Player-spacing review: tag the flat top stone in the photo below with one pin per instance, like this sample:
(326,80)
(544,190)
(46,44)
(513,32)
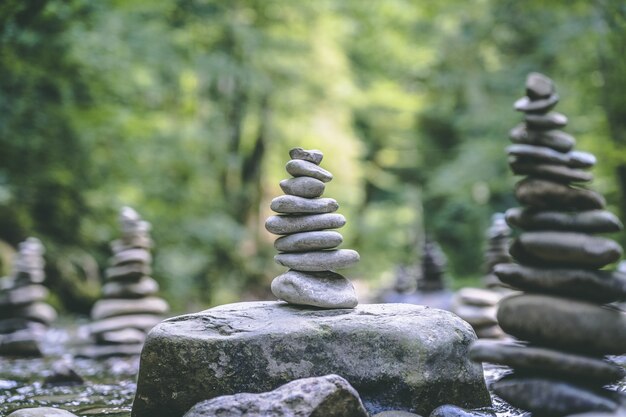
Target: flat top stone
(538,86)
(311,155)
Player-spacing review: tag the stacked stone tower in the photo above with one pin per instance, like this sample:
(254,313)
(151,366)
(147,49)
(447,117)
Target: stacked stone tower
(129,307)
(562,318)
(24,315)
(497,252)
(307,244)
(434,265)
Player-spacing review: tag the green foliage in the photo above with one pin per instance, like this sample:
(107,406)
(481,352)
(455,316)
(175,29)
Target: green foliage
(185,110)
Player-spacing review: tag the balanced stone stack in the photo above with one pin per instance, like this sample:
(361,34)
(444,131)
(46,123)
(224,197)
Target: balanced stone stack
(307,245)
(128,308)
(478,306)
(562,316)
(431,283)
(24,315)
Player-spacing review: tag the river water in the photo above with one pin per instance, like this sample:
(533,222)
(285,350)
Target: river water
(110,384)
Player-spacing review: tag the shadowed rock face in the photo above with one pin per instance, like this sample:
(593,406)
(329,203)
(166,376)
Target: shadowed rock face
(396,356)
(560,314)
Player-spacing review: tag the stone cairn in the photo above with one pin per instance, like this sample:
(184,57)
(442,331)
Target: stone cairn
(306,245)
(434,264)
(562,317)
(24,315)
(478,306)
(128,308)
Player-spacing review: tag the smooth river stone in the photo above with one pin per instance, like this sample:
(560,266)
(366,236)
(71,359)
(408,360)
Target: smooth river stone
(111,307)
(573,159)
(38,311)
(319,260)
(449,410)
(547,362)
(306,187)
(595,286)
(477,316)
(308,241)
(527,105)
(301,168)
(538,86)
(555,139)
(560,173)
(478,297)
(563,323)
(128,272)
(590,221)
(566,249)
(131,256)
(124,336)
(22,295)
(319,289)
(291,204)
(547,397)
(133,321)
(548,121)
(397,356)
(543,194)
(41,412)
(284,225)
(311,155)
(119,289)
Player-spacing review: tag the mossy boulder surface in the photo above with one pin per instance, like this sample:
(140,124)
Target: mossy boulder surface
(397,356)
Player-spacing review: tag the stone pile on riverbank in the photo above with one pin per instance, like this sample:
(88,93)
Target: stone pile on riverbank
(562,318)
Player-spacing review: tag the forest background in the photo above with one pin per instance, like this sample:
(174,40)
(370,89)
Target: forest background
(185,110)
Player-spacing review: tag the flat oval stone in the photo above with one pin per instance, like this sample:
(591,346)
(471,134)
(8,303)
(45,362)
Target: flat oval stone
(475,315)
(127,272)
(120,289)
(551,397)
(284,225)
(565,248)
(589,221)
(454,411)
(306,187)
(319,289)
(311,155)
(547,362)
(478,297)
(563,323)
(135,321)
(23,295)
(111,307)
(318,260)
(124,336)
(301,168)
(131,256)
(528,105)
(595,286)
(549,121)
(41,412)
(539,154)
(559,173)
(555,139)
(308,241)
(39,312)
(291,204)
(543,194)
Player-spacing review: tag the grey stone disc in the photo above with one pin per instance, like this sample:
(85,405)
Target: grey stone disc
(319,260)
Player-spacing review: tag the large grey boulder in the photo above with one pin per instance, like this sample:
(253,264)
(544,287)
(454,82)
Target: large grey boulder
(324,396)
(397,356)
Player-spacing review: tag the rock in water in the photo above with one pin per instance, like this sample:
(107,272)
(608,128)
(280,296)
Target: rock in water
(129,307)
(41,412)
(328,396)
(397,356)
(25,314)
(306,244)
(563,370)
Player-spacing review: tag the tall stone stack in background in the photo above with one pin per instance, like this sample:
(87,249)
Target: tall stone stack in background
(432,288)
(562,315)
(129,307)
(24,315)
(478,306)
(307,245)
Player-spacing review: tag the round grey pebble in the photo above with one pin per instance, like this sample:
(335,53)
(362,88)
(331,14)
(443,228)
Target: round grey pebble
(291,204)
(318,260)
(308,241)
(311,155)
(538,86)
(319,289)
(301,168)
(306,187)
(526,104)
(284,225)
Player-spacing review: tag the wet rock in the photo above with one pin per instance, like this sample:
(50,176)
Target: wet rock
(563,323)
(454,411)
(308,241)
(319,289)
(306,187)
(551,398)
(396,413)
(328,396)
(41,412)
(63,374)
(548,362)
(256,347)
(590,221)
